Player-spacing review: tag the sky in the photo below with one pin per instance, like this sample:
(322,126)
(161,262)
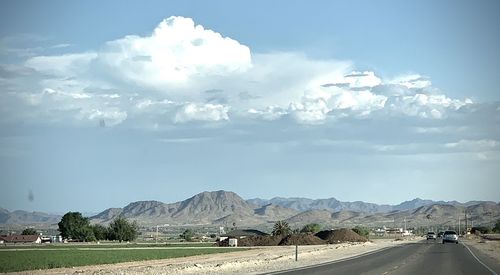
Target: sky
(103,103)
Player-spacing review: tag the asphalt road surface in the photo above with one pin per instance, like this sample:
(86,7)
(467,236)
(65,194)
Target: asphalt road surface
(426,258)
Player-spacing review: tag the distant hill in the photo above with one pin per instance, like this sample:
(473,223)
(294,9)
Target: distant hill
(20,217)
(227,209)
(331,204)
(334,205)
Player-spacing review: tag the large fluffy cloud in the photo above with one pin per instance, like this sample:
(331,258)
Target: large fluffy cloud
(183,72)
(177,52)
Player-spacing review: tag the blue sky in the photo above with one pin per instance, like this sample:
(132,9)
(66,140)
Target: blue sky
(105,103)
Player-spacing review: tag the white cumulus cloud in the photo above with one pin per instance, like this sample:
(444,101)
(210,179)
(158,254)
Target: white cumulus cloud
(202,112)
(184,72)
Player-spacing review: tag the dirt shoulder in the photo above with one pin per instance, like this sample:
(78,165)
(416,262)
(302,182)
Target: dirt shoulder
(253,261)
(489,247)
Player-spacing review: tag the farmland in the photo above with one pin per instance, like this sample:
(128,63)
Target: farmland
(40,257)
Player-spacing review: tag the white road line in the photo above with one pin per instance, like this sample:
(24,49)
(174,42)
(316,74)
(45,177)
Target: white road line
(487,267)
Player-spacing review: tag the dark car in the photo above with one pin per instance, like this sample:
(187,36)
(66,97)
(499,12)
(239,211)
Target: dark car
(440,234)
(450,236)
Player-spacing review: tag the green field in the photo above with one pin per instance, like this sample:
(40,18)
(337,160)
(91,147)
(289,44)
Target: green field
(106,245)
(29,259)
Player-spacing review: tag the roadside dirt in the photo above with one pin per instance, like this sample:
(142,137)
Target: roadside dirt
(490,247)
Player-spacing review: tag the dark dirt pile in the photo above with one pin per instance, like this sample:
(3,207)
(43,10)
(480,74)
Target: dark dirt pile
(340,236)
(301,239)
(322,237)
(260,241)
(294,239)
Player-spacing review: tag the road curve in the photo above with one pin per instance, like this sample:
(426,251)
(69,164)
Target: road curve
(419,258)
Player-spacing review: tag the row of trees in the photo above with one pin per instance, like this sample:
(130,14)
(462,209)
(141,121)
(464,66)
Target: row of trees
(78,228)
(29,231)
(486,229)
(282,228)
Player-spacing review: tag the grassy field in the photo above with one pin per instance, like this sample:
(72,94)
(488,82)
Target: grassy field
(105,245)
(29,259)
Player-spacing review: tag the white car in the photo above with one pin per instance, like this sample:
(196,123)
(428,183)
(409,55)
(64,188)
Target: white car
(450,236)
(431,235)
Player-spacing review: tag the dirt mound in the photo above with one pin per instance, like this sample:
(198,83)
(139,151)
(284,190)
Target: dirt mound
(301,239)
(260,241)
(294,239)
(340,236)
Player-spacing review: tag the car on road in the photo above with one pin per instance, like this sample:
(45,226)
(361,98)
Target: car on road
(450,236)
(431,235)
(440,234)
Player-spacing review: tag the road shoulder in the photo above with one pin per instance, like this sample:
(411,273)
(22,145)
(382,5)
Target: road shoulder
(487,251)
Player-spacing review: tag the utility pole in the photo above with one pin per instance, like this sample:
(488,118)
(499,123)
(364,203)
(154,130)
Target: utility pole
(156,240)
(459,225)
(466,224)
(296,252)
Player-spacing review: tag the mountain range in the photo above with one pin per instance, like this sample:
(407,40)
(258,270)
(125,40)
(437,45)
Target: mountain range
(227,208)
(25,217)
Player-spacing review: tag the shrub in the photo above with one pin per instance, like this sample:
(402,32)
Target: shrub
(480,230)
(187,235)
(311,228)
(362,231)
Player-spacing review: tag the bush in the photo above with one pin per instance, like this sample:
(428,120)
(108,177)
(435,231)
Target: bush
(496,229)
(362,231)
(311,228)
(123,230)
(480,230)
(187,235)
(29,231)
(100,232)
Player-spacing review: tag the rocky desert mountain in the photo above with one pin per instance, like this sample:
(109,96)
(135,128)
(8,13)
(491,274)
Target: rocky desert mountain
(220,207)
(228,208)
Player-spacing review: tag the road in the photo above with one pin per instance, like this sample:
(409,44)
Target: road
(420,258)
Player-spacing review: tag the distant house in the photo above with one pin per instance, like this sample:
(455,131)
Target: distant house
(21,239)
(231,238)
(242,233)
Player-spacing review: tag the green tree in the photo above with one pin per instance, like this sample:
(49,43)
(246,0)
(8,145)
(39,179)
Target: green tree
(496,229)
(281,228)
(29,231)
(480,230)
(187,235)
(311,228)
(362,231)
(100,232)
(123,230)
(74,226)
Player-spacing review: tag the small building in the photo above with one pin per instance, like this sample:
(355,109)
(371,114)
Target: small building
(242,233)
(232,237)
(21,239)
(56,239)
